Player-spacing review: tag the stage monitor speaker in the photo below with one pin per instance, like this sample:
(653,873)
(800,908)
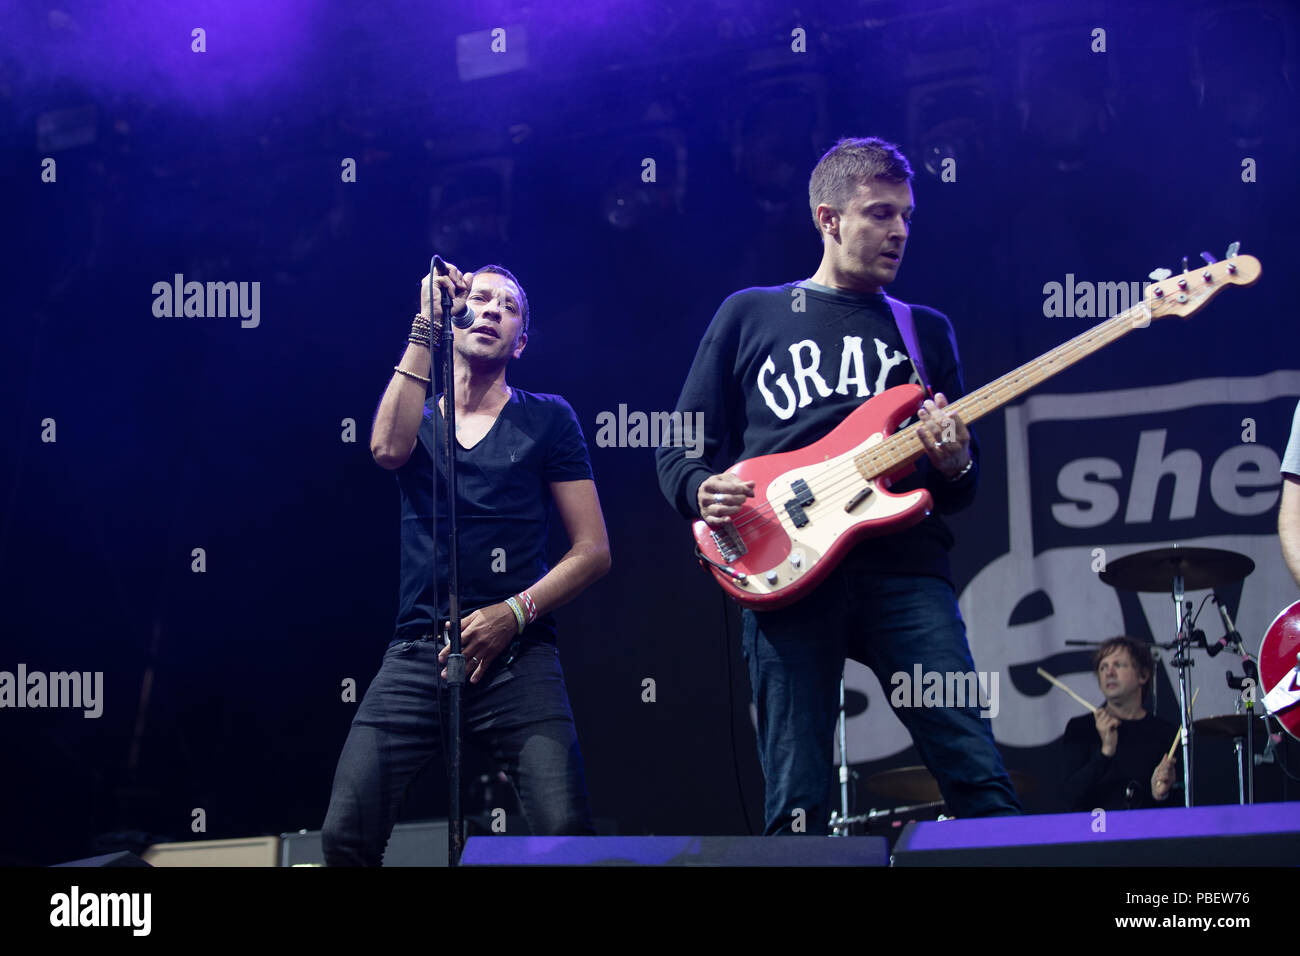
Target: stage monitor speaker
(121,858)
(674,851)
(1263,834)
(245,851)
(421,843)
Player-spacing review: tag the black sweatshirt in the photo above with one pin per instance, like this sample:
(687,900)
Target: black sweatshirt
(770,377)
(1092,780)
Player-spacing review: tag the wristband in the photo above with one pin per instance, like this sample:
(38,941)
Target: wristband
(970,463)
(518,612)
(529,608)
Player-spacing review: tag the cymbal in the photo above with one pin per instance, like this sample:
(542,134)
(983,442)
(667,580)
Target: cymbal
(1201,568)
(917,784)
(1229,725)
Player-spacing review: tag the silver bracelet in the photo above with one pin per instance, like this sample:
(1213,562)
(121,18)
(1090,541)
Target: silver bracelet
(970,463)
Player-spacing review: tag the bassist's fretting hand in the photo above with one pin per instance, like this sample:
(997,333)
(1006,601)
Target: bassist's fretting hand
(946,440)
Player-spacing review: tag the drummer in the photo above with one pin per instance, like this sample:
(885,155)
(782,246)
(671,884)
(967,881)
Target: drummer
(1117,758)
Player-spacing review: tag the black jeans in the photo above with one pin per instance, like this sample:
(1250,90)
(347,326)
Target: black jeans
(519,712)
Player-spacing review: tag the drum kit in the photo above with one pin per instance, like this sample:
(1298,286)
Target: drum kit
(1175,571)
(1269,683)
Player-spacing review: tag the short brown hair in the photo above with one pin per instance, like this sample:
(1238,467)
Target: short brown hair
(850,163)
(1139,651)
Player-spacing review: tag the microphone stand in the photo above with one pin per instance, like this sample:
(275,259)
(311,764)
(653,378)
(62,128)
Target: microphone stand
(455,660)
(1183,661)
(840,823)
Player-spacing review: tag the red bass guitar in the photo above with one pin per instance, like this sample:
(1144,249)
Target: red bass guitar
(812,505)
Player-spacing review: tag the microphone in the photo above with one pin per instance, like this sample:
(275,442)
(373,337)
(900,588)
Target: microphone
(466,318)
(1231,637)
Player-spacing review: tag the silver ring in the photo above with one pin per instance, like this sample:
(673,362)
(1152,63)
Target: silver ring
(717,497)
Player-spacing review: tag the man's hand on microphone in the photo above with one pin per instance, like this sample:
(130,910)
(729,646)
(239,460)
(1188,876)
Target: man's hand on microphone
(455,282)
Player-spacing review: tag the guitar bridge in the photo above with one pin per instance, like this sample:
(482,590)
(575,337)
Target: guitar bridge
(728,542)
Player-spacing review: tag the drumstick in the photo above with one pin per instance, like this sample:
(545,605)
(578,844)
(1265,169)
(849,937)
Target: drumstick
(1042,673)
(1179,736)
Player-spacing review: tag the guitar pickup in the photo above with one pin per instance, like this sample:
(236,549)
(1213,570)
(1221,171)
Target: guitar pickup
(728,542)
(803,497)
(802,493)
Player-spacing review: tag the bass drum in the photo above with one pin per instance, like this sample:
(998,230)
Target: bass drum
(1278,661)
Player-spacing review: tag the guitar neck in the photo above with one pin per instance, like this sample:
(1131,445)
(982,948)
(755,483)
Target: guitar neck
(905,447)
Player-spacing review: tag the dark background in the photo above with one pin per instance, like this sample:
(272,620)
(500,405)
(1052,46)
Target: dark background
(178,433)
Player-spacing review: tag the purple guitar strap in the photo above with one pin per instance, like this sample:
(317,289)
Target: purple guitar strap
(907,329)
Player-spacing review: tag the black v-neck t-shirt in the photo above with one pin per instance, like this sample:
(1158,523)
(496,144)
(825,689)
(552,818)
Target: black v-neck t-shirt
(504,509)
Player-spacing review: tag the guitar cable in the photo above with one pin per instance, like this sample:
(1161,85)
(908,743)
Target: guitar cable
(705,559)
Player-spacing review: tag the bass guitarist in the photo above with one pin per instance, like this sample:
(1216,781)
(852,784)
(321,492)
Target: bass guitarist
(1288,516)
(778,369)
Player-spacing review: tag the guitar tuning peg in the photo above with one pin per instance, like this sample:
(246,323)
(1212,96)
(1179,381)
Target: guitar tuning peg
(1159,275)
(1209,259)
(1232,250)
(1184,263)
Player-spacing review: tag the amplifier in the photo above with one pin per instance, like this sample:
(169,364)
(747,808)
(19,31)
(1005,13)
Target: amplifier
(246,851)
(421,843)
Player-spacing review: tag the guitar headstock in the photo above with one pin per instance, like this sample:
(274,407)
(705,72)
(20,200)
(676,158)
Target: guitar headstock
(1190,291)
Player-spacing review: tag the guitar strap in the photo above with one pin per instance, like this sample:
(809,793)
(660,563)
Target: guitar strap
(907,329)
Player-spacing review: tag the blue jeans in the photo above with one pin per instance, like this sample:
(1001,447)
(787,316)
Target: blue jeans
(889,623)
(519,712)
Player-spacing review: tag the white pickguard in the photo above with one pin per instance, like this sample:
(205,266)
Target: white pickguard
(833,483)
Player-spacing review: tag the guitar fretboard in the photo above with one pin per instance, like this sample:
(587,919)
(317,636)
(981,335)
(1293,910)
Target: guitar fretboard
(905,447)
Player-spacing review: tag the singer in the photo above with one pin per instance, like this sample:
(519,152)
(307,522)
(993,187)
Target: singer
(523,456)
(1118,759)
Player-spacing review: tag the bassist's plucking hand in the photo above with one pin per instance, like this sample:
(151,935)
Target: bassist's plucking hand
(721,496)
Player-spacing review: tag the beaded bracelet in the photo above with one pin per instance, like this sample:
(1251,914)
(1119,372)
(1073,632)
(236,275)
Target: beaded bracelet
(411,375)
(424,333)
